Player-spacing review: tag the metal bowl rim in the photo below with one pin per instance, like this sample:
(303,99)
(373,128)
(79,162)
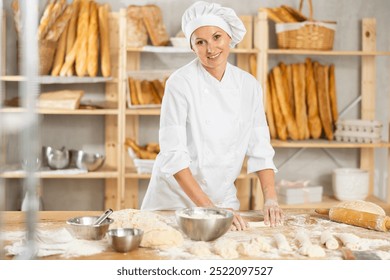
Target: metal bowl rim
(72,222)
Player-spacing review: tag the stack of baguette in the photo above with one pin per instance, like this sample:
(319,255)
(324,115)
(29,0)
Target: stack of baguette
(284,14)
(145,92)
(301,101)
(145,22)
(72,38)
(149,151)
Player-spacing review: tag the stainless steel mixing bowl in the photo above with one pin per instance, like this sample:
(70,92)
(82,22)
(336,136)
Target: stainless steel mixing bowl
(204,224)
(86,161)
(124,239)
(84,228)
(57,159)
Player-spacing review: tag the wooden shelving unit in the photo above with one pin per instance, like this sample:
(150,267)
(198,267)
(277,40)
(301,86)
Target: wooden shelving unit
(368,55)
(113,112)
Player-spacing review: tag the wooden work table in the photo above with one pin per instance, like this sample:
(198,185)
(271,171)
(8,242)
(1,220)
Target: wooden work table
(296,219)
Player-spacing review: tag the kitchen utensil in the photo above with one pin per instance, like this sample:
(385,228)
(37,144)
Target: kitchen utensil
(124,239)
(350,183)
(358,255)
(83,227)
(58,159)
(357,218)
(205,224)
(104,216)
(86,161)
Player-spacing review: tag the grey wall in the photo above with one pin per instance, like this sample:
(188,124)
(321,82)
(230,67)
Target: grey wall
(311,164)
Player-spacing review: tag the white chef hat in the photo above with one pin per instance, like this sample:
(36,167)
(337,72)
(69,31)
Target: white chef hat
(202,13)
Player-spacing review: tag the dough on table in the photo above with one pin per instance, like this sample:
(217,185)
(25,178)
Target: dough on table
(282,243)
(350,240)
(307,248)
(328,240)
(157,233)
(200,249)
(226,248)
(254,247)
(361,205)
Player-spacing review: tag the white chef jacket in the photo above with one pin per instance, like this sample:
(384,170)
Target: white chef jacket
(208,126)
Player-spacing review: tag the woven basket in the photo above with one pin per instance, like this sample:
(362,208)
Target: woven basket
(306,35)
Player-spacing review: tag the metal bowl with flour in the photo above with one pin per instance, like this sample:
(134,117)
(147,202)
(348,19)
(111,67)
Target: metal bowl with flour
(204,224)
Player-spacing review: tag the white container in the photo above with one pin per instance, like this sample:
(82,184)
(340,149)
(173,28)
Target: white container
(300,195)
(144,166)
(350,184)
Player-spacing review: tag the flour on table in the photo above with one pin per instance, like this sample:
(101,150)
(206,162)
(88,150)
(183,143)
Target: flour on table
(257,224)
(226,248)
(361,205)
(157,233)
(254,247)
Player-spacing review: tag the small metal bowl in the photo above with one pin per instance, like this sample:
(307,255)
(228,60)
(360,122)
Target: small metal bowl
(124,239)
(204,224)
(86,161)
(84,228)
(57,159)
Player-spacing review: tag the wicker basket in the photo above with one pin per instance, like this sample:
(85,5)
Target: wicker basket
(306,35)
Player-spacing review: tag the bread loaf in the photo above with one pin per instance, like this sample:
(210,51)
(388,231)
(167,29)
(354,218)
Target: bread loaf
(332,94)
(137,36)
(147,96)
(46,56)
(53,10)
(323,100)
(154,23)
(284,14)
(300,100)
(16,16)
(280,123)
(272,15)
(159,88)
(55,31)
(253,64)
(93,41)
(60,54)
(133,92)
(314,122)
(71,37)
(284,104)
(70,59)
(82,37)
(268,110)
(105,60)
(288,75)
(297,15)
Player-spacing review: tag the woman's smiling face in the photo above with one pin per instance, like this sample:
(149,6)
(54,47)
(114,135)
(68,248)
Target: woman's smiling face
(212,46)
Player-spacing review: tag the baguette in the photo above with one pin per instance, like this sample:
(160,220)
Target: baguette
(44,22)
(60,54)
(332,94)
(154,23)
(133,92)
(70,59)
(284,15)
(300,100)
(272,15)
(71,38)
(323,101)
(137,36)
(253,64)
(53,12)
(289,77)
(59,25)
(156,97)
(314,122)
(159,88)
(283,103)
(268,110)
(147,93)
(138,91)
(93,41)
(105,59)
(297,15)
(16,16)
(82,36)
(280,123)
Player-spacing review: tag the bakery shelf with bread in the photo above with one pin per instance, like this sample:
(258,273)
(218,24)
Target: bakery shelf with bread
(290,124)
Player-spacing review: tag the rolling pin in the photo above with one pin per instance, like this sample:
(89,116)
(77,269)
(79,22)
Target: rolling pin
(357,218)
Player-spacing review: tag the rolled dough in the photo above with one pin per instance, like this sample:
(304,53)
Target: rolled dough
(226,248)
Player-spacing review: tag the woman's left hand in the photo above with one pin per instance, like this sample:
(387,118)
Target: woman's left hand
(238,223)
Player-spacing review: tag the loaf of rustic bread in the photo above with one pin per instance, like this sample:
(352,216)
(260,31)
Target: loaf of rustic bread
(137,36)
(154,23)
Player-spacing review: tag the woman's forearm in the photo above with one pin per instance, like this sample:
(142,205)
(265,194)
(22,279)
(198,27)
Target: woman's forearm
(192,189)
(267,181)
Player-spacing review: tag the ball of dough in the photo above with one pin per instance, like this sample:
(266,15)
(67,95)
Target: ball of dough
(200,249)
(226,248)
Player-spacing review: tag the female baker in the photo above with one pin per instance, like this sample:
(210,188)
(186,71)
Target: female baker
(212,115)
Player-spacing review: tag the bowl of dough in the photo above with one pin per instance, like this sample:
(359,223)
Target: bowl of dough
(84,227)
(204,224)
(124,239)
